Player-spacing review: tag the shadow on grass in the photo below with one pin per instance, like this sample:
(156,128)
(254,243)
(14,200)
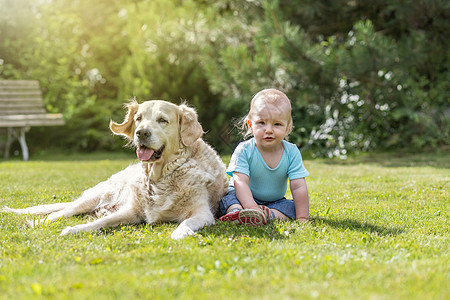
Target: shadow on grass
(355,225)
(277,230)
(224,229)
(219,230)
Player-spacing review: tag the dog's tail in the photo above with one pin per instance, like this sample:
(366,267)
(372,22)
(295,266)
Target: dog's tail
(37,210)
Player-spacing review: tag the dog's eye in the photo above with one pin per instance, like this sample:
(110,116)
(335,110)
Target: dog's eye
(162,121)
(139,118)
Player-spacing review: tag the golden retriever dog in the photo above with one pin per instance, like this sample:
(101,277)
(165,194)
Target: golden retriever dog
(180,178)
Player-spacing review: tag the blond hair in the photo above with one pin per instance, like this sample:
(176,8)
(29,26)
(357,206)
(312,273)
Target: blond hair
(271,96)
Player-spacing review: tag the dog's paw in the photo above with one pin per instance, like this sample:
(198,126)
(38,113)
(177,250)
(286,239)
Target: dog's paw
(33,223)
(37,223)
(182,232)
(69,230)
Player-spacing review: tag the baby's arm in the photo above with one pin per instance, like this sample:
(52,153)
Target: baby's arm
(243,192)
(301,198)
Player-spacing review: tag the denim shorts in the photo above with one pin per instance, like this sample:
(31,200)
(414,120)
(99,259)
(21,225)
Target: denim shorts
(283,205)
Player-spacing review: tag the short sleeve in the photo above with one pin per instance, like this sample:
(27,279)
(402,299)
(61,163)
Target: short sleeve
(240,160)
(296,168)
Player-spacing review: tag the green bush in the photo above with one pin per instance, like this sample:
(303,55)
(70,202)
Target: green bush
(378,80)
(361,75)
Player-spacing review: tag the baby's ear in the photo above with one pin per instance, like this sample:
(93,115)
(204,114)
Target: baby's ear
(249,124)
(190,128)
(126,128)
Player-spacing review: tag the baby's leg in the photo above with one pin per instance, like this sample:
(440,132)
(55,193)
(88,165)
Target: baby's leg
(234,207)
(279,215)
(283,209)
(229,203)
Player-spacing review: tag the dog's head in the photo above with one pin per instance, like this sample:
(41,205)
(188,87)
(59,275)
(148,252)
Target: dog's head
(158,128)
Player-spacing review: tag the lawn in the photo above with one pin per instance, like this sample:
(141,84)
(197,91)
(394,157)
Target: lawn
(379,230)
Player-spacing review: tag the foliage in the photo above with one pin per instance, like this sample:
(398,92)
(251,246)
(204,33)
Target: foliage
(165,46)
(56,53)
(380,230)
(361,75)
(90,58)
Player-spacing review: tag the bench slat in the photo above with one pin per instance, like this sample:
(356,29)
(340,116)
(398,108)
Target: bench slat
(19,84)
(21,107)
(36,100)
(29,103)
(31,120)
(18,94)
(23,111)
(14,103)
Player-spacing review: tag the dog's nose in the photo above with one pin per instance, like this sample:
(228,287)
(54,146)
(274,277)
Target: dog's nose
(143,133)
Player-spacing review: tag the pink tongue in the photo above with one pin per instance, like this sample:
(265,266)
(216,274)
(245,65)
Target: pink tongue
(144,153)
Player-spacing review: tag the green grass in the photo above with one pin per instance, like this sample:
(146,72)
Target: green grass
(380,230)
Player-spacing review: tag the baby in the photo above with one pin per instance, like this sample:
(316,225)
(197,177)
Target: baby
(261,166)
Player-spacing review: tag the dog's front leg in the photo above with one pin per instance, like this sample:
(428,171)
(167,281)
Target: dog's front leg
(125,215)
(201,218)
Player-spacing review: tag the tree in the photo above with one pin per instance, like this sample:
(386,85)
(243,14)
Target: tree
(361,75)
(379,80)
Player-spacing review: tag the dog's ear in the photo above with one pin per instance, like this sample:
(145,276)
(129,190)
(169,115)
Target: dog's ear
(190,128)
(126,128)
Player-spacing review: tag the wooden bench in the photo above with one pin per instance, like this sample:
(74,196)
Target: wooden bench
(21,107)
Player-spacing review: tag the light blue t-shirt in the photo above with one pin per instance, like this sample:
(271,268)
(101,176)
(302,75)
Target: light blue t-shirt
(267,184)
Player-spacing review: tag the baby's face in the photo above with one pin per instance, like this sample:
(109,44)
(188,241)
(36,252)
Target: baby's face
(269,124)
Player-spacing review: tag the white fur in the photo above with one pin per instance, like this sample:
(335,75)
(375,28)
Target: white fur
(184,185)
